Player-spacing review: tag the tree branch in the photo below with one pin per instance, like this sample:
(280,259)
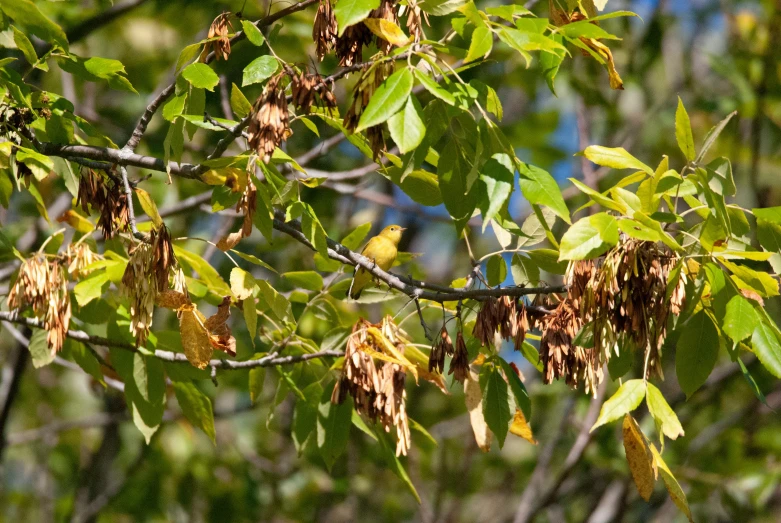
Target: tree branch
(409,286)
(175,357)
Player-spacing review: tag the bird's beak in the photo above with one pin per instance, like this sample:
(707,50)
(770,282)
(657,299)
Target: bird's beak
(402,229)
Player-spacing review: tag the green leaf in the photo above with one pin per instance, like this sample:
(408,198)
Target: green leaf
(683,131)
(254,260)
(250,313)
(626,399)
(40,353)
(239,103)
(25,46)
(26,14)
(148,378)
(90,288)
(540,188)
(242,283)
(174,107)
(496,406)
(309,280)
(481,44)
(496,178)
(740,319)
(548,260)
(441,7)
(259,70)
(452,174)
(84,358)
(760,281)
(434,88)
(696,352)
(252,33)
(387,100)
(406,127)
(350,12)
(496,270)
(257,377)
(672,485)
(333,427)
(662,412)
(201,75)
(589,237)
(394,463)
(752,383)
(534,230)
(354,240)
(524,271)
(767,348)
(615,157)
(771,214)
(196,406)
(278,304)
(518,389)
(714,133)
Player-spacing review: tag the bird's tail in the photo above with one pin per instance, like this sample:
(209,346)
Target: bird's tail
(361,278)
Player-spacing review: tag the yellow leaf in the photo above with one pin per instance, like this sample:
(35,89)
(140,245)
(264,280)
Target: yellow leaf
(474,404)
(242,283)
(675,490)
(195,337)
(232,177)
(77,221)
(639,457)
(382,341)
(149,206)
(520,428)
(387,30)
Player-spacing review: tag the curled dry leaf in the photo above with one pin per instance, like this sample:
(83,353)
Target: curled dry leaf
(172,299)
(473,397)
(222,43)
(245,205)
(639,458)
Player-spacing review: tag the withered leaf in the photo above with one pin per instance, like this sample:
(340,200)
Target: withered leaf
(230,241)
(171,299)
(474,404)
(195,337)
(639,457)
(220,335)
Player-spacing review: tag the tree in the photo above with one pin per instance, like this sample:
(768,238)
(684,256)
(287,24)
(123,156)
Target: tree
(173,310)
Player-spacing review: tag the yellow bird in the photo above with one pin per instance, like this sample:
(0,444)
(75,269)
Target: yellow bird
(382,250)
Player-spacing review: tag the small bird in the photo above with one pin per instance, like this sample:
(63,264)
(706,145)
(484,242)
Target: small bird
(382,250)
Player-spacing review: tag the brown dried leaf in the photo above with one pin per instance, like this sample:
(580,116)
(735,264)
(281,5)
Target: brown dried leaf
(171,299)
(219,333)
(752,295)
(639,457)
(673,487)
(521,428)
(195,337)
(474,404)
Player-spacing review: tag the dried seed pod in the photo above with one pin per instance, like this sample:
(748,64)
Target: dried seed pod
(105,197)
(222,45)
(325,29)
(443,346)
(349,46)
(78,258)
(414,22)
(459,365)
(269,120)
(306,88)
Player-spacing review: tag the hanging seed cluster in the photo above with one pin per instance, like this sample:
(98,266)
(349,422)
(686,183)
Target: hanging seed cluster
(103,195)
(42,285)
(308,88)
(78,258)
(147,274)
(621,302)
(629,298)
(269,124)
(325,29)
(376,385)
(371,78)
(414,21)
(501,318)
